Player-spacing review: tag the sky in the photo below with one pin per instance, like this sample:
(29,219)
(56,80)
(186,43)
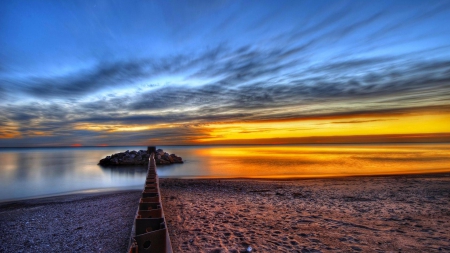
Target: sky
(94,73)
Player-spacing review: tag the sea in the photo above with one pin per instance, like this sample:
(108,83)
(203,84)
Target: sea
(38,172)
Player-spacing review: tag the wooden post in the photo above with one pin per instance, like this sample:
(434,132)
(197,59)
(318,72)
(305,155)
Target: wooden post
(149,233)
(151,149)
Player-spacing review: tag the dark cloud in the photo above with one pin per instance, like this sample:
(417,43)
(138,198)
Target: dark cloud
(2,93)
(267,94)
(359,121)
(217,102)
(267,75)
(106,75)
(354,64)
(62,134)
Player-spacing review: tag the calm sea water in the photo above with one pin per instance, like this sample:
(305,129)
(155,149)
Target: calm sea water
(33,172)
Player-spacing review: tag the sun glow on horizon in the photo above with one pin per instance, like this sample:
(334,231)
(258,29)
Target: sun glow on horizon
(404,128)
(437,123)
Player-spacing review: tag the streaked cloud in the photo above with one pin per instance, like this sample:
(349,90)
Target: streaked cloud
(340,62)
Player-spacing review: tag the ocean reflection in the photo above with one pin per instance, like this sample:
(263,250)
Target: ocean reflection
(124,171)
(43,171)
(311,161)
(46,171)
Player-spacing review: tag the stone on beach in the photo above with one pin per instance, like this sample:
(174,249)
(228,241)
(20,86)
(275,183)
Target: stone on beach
(139,157)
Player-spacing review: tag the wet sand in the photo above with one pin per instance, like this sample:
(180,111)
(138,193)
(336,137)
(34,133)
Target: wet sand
(355,214)
(98,222)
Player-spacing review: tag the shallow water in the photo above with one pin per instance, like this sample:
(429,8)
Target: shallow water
(32,172)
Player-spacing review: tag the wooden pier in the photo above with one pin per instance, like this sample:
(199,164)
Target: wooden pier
(149,233)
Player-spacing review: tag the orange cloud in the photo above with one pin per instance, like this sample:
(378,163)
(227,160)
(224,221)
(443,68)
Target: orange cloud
(348,139)
(364,114)
(253,131)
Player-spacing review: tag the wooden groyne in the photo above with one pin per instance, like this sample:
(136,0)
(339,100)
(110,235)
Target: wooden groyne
(149,232)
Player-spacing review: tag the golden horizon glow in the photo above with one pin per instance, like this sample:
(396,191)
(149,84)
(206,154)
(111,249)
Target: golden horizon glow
(433,123)
(405,127)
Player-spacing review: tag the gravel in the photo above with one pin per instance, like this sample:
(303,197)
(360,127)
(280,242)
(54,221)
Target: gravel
(99,222)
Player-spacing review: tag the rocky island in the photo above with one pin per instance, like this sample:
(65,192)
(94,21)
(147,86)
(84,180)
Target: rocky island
(139,157)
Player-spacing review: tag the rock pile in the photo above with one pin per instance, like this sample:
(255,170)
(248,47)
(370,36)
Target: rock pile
(162,157)
(139,157)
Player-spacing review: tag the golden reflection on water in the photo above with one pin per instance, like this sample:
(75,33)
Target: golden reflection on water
(324,161)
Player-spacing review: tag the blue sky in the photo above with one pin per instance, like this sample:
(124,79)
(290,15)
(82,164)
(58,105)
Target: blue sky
(67,65)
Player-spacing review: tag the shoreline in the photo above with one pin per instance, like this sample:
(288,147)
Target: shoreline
(99,191)
(70,194)
(445,173)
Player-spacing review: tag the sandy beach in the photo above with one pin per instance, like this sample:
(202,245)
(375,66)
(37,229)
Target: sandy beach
(97,222)
(355,214)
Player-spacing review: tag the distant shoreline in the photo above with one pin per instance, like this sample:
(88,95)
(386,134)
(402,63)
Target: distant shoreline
(241,144)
